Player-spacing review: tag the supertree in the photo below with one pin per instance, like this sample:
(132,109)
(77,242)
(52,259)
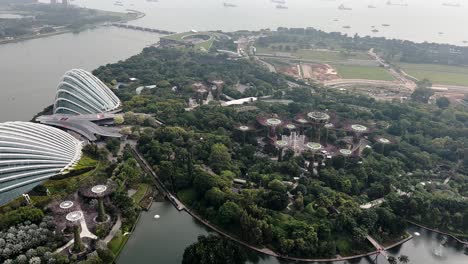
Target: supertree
(345,153)
(73,219)
(63,207)
(290,126)
(281,145)
(200,92)
(313,148)
(219,88)
(99,192)
(384,141)
(243,129)
(328,127)
(318,119)
(358,130)
(302,122)
(272,123)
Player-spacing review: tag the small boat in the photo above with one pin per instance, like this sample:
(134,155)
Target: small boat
(278,2)
(343,7)
(371,6)
(465,41)
(118,3)
(281,7)
(157,216)
(385,25)
(375,30)
(441,33)
(335,20)
(417,234)
(229,5)
(152,1)
(451,4)
(396,4)
(347,27)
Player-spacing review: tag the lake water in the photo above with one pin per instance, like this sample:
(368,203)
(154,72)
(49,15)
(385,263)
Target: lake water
(164,240)
(30,71)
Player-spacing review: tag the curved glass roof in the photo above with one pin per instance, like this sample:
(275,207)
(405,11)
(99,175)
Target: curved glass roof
(31,152)
(80,92)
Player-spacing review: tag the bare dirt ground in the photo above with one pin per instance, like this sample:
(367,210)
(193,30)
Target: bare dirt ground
(319,72)
(291,71)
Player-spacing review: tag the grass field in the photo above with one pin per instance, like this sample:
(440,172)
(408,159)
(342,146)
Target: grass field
(117,243)
(363,72)
(204,45)
(140,193)
(441,74)
(318,55)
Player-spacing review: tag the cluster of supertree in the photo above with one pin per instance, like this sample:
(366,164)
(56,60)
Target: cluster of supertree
(68,210)
(317,143)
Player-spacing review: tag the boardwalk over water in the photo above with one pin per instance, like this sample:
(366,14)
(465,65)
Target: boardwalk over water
(155,30)
(380,249)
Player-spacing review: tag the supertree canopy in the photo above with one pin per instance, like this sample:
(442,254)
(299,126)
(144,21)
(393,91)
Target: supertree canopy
(318,117)
(272,123)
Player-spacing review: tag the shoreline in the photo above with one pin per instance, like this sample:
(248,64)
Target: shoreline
(138,15)
(439,232)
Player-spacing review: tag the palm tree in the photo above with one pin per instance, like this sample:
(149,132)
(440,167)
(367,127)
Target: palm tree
(403,259)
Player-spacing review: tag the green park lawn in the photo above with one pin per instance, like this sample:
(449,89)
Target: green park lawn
(440,74)
(117,243)
(140,193)
(363,72)
(318,55)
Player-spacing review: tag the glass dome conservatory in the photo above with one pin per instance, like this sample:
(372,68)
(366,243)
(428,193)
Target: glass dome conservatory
(80,92)
(31,152)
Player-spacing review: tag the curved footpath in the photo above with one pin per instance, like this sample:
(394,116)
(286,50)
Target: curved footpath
(181,207)
(439,232)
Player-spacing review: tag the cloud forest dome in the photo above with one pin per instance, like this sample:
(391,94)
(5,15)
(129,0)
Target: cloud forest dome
(31,152)
(80,92)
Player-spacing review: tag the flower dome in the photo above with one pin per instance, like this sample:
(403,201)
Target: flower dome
(31,152)
(80,92)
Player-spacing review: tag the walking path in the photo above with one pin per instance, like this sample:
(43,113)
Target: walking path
(439,232)
(84,233)
(114,230)
(377,246)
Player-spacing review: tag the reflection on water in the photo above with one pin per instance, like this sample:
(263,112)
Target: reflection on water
(164,241)
(430,247)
